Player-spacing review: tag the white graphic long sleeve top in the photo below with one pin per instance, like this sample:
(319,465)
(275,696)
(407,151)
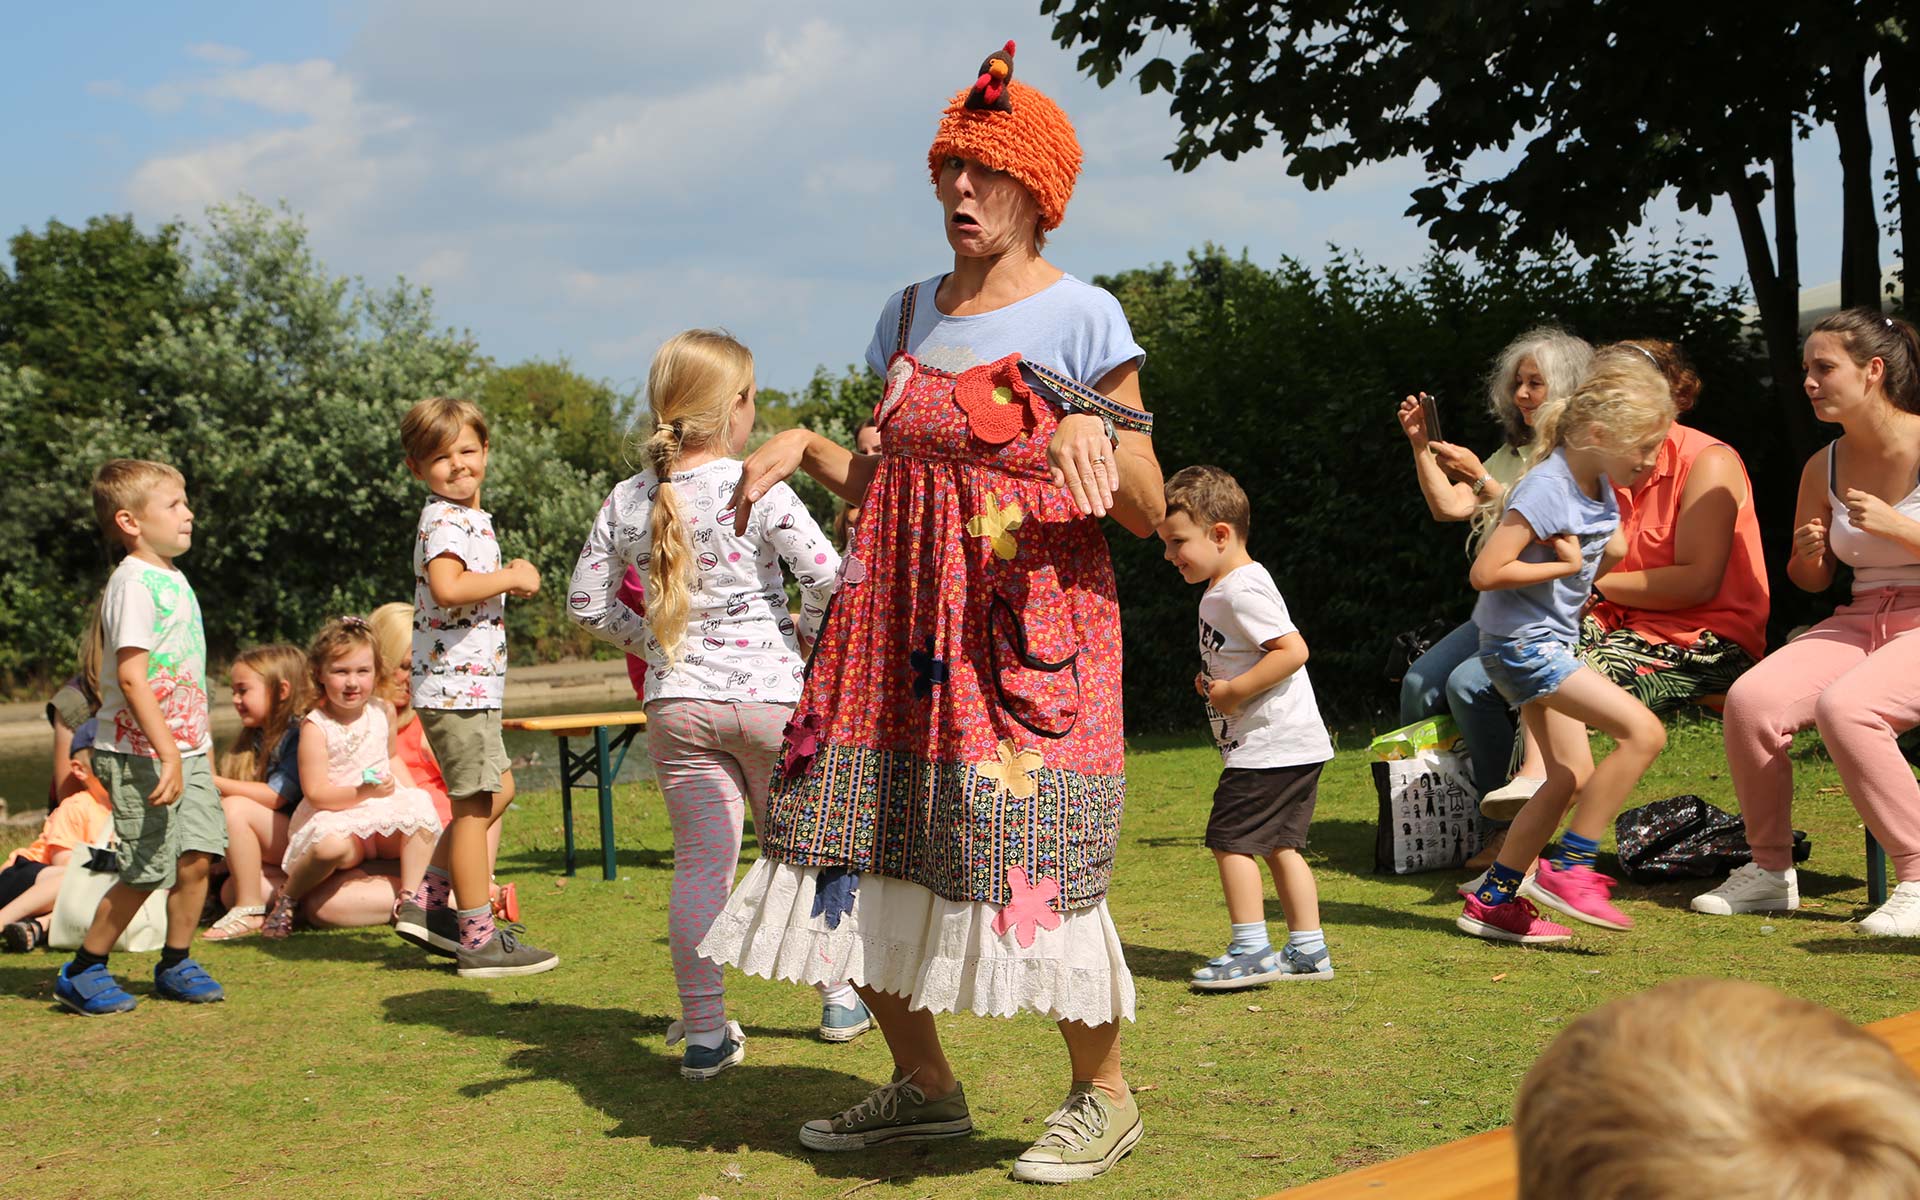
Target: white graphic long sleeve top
(741,642)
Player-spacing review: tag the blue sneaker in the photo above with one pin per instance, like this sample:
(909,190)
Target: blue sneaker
(839,1024)
(1297,965)
(187,981)
(704,1062)
(92,993)
(1231,972)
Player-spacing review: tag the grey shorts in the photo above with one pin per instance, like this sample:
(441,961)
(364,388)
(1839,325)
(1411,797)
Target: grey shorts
(1257,810)
(467,743)
(149,839)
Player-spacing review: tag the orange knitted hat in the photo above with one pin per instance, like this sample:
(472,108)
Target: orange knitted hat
(1014,128)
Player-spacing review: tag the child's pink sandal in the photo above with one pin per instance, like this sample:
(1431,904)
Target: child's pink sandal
(238,922)
(279,922)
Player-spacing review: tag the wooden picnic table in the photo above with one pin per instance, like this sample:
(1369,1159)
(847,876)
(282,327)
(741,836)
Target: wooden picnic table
(602,763)
(1482,1167)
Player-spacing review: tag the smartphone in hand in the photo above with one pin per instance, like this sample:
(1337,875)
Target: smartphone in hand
(1430,418)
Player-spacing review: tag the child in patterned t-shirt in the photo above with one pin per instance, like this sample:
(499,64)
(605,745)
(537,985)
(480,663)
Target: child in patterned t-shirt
(459,684)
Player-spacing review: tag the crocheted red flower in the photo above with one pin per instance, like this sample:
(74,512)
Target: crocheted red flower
(802,742)
(998,403)
(1030,908)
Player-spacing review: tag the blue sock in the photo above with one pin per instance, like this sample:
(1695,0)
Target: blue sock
(1249,936)
(1307,941)
(1502,885)
(1576,851)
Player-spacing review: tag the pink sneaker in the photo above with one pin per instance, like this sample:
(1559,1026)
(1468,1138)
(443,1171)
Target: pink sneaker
(1580,892)
(1515,921)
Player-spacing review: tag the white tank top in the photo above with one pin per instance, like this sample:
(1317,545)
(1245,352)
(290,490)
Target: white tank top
(1876,561)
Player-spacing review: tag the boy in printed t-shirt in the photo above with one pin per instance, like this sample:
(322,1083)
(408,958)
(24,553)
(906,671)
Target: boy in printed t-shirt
(1261,711)
(459,683)
(151,745)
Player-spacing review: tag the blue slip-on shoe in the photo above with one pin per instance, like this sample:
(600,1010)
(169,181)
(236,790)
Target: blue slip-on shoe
(1297,965)
(92,993)
(187,981)
(839,1024)
(1231,972)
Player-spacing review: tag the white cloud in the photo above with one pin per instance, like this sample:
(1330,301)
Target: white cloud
(215,52)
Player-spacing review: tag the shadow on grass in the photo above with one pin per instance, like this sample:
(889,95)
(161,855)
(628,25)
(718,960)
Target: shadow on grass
(1863,943)
(1679,893)
(594,1051)
(552,860)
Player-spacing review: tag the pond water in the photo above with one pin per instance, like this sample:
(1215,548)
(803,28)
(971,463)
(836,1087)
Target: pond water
(24,770)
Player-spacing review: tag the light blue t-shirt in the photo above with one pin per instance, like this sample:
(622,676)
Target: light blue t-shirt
(1552,503)
(1075,328)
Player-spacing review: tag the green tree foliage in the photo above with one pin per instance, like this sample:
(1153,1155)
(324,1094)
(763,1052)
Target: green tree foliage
(1289,379)
(277,389)
(832,406)
(590,418)
(1614,106)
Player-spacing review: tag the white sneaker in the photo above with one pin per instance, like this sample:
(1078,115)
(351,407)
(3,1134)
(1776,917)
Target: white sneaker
(1898,917)
(1751,888)
(1505,802)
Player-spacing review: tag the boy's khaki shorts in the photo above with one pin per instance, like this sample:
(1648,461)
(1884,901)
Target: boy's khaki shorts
(467,743)
(149,839)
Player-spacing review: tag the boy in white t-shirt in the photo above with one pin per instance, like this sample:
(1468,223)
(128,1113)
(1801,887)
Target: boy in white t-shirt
(1261,711)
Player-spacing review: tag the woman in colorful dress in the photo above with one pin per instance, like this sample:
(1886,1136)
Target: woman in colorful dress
(943,824)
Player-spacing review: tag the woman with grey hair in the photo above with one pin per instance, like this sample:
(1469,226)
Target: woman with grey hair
(1539,365)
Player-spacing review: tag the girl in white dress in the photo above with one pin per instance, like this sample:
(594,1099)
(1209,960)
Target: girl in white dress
(358,801)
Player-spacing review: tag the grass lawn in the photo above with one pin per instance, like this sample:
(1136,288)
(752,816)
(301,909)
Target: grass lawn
(346,1064)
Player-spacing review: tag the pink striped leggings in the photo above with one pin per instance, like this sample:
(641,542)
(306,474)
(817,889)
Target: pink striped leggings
(1856,676)
(713,762)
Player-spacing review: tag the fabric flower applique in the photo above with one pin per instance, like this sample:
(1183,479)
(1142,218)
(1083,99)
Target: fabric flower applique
(853,572)
(1030,909)
(801,743)
(998,403)
(899,371)
(927,670)
(834,889)
(996,523)
(1012,770)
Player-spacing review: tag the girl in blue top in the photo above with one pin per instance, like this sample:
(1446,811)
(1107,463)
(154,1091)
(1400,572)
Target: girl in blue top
(1535,573)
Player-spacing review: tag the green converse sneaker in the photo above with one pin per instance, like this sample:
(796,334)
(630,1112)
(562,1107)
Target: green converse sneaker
(897,1112)
(1085,1136)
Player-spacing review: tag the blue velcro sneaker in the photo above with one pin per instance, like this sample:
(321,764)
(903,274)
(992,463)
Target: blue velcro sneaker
(187,981)
(92,992)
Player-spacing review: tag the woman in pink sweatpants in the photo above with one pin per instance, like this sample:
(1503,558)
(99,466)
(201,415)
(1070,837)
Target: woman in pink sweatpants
(1856,675)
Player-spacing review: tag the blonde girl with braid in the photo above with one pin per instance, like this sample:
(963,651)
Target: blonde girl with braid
(724,656)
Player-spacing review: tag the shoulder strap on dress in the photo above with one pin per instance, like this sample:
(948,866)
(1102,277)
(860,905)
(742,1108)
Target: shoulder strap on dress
(907,298)
(1075,396)
(1833,469)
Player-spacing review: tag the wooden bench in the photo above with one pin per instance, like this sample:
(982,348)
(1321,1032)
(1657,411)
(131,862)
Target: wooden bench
(1482,1167)
(602,763)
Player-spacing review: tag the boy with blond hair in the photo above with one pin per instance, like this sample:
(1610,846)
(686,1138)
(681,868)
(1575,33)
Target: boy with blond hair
(1723,1088)
(459,684)
(1262,713)
(152,742)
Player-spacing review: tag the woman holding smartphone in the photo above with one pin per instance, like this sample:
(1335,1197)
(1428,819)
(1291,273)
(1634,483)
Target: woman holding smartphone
(1539,365)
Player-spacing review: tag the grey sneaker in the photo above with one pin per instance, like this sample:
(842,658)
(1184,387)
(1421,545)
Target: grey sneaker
(1751,888)
(839,1024)
(436,932)
(1085,1136)
(504,955)
(1231,972)
(703,1062)
(897,1112)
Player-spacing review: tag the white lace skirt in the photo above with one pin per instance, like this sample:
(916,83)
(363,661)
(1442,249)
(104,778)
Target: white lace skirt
(942,955)
(407,810)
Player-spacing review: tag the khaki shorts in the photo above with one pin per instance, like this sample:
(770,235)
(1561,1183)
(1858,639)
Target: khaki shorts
(467,743)
(149,839)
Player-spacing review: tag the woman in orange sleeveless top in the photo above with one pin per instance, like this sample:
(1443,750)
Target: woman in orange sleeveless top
(1685,613)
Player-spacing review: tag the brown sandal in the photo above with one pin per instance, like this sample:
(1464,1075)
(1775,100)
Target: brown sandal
(279,922)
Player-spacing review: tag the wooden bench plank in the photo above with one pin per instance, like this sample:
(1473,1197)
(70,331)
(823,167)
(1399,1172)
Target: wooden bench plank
(574,724)
(1482,1167)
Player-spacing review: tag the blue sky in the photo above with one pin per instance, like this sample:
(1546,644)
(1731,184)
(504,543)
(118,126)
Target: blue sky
(584,179)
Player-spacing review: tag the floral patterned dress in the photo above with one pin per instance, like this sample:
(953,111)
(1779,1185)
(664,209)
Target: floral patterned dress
(944,820)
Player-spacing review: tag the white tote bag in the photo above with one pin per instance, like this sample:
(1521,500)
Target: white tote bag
(80,891)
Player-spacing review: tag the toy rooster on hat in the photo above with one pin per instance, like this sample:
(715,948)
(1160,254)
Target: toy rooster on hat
(990,90)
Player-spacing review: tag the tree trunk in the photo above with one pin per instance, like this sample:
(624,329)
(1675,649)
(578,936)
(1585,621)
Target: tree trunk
(1859,216)
(1775,293)
(1906,177)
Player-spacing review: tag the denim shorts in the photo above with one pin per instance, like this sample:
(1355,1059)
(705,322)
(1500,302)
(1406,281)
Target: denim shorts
(1524,670)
